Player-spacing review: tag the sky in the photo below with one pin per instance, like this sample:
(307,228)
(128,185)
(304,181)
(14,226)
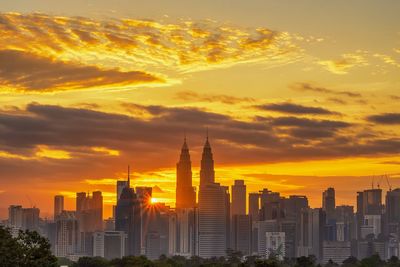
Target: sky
(297,96)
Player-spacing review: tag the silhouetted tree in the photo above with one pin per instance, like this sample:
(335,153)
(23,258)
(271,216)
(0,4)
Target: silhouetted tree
(373,261)
(28,249)
(305,261)
(91,262)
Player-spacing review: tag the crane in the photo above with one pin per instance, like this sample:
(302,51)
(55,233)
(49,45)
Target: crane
(387,180)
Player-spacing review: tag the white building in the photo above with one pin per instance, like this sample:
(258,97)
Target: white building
(109,244)
(262,228)
(275,245)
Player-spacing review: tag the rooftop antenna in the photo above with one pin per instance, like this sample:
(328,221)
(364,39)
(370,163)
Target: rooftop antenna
(373,177)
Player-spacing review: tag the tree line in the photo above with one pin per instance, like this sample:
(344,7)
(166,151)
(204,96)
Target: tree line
(29,249)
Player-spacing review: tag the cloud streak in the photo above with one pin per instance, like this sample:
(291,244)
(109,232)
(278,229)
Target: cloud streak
(27,72)
(290,108)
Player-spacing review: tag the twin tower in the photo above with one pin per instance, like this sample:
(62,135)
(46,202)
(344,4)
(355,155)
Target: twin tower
(185,192)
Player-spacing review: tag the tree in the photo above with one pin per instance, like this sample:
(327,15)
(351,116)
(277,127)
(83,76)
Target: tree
(28,249)
(305,261)
(373,261)
(9,248)
(91,262)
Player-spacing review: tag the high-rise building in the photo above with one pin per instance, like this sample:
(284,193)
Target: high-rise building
(213,223)
(238,206)
(241,233)
(369,202)
(144,194)
(120,186)
(185,193)
(109,244)
(312,227)
(272,205)
(328,203)
(207,173)
(67,234)
(128,219)
(392,214)
(254,206)
(58,205)
(15,216)
(337,251)
(89,211)
(262,228)
(186,231)
(30,219)
(345,223)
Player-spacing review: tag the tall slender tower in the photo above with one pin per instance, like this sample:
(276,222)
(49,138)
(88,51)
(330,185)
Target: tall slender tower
(185,193)
(207,173)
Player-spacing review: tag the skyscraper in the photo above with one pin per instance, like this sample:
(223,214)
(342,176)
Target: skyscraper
(207,173)
(328,203)
(185,193)
(128,219)
(238,198)
(213,213)
(58,205)
(254,206)
(67,234)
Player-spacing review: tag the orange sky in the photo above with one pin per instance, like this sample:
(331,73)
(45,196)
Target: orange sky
(297,97)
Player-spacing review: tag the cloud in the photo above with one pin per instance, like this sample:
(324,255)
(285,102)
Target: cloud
(28,72)
(345,63)
(129,44)
(323,90)
(385,118)
(225,99)
(395,97)
(290,108)
(103,139)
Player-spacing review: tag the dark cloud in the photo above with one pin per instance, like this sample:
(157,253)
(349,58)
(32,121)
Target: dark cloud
(385,118)
(323,90)
(28,72)
(226,99)
(290,108)
(395,97)
(157,138)
(337,100)
(153,142)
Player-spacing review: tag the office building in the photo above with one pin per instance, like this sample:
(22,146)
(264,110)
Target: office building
(58,205)
(185,192)
(109,244)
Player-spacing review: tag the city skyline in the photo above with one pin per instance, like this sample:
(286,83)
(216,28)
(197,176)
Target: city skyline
(297,97)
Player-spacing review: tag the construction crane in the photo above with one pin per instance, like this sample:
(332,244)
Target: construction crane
(387,180)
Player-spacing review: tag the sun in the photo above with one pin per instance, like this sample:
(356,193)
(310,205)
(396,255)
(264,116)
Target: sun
(153,200)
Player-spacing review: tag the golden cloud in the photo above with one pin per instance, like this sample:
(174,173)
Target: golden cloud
(345,63)
(129,44)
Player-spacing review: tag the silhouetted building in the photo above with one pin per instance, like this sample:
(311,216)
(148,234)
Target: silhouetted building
(238,206)
(329,203)
(109,244)
(213,223)
(67,234)
(186,231)
(207,173)
(185,193)
(241,233)
(128,219)
(254,206)
(58,205)
(392,214)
